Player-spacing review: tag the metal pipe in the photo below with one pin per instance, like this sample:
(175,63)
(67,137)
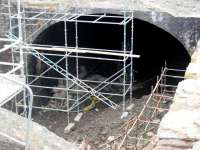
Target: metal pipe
(81,51)
(29,120)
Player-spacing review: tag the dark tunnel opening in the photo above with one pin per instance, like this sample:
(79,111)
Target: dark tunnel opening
(154,45)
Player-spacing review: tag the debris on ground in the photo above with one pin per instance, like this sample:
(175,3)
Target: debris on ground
(130,107)
(78,117)
(69,127)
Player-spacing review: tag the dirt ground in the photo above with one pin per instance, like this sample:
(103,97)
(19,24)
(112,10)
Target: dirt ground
(94,125)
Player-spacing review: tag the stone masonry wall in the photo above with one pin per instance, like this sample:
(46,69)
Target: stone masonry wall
(4,20)
(179,18)
(180,127)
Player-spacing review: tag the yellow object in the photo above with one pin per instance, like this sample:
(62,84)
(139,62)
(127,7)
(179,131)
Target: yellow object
(92,105)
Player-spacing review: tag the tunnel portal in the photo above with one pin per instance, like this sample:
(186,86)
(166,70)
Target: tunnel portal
(154,45)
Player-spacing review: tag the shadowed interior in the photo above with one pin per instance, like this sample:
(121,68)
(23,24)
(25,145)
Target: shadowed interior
(154,45)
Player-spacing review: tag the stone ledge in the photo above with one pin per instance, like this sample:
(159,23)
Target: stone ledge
(177,8)
(41,138)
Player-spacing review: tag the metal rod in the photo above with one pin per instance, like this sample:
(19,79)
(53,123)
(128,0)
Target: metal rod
(9,64)
(7,47)
(18,67)
(29,120)
(66,77)
(77,60)
(124,66)
(81,51)
(12,139)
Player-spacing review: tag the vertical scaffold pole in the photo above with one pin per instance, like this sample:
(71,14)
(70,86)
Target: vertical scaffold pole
(124,66)
(77,62)
(132,49)
(66,76)
(20,36)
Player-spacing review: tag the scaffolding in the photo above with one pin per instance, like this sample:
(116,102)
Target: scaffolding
(27,24)
(141,129)
(13,88)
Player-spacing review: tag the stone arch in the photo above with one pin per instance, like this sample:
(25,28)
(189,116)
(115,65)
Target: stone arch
(146,16)
(154,44)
